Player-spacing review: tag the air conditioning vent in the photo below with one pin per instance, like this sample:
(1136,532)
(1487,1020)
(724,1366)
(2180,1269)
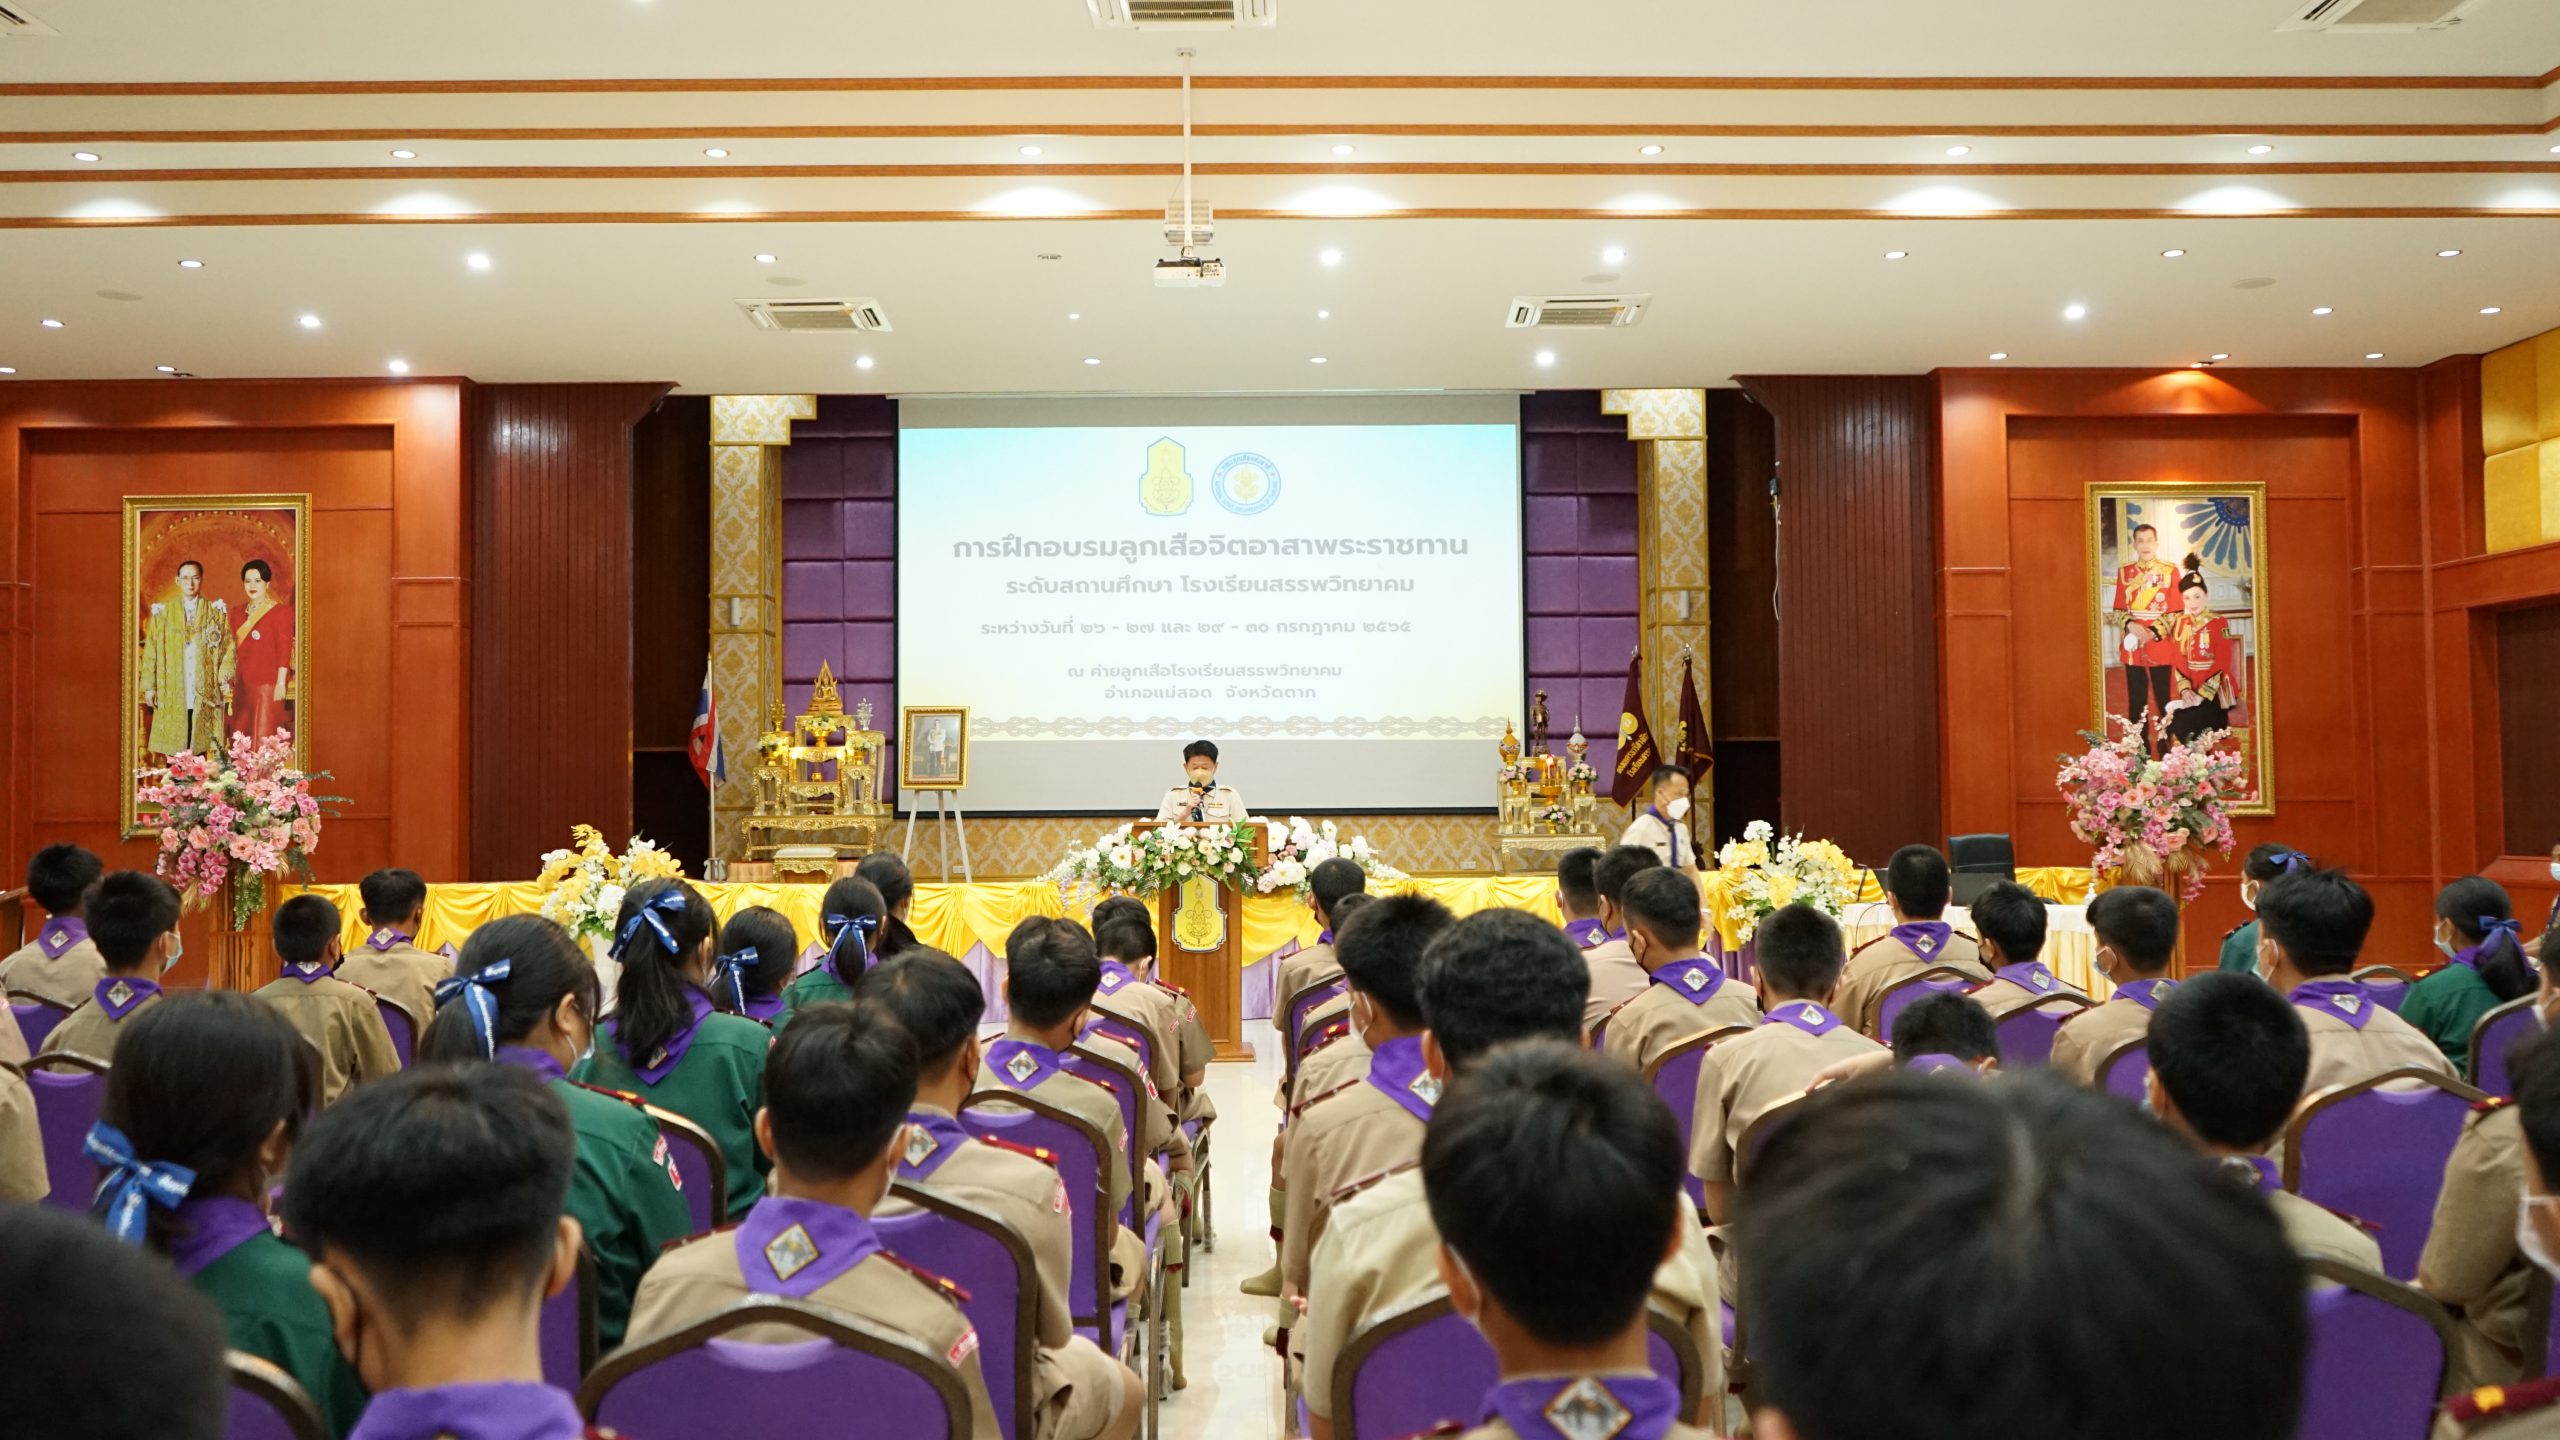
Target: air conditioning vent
(1182,14)
(16,23)
(2381,17)
(815,315)
(1575,312)
(1202,230)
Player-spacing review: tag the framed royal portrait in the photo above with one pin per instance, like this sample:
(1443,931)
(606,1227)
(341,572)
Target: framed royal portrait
(2178,606)
(217,633)
(933,747)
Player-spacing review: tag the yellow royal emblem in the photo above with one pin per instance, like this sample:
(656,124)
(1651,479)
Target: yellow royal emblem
(1166,487)
(1198,923)
(790,1252)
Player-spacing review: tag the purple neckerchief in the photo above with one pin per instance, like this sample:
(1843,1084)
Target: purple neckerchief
(493,1410)
(1808,1016)
(215,1226)
(766,1008)
(2146,993)
(1020,1064)
(1929,1064)
(1324,937)
(791,1247)
(1695,979)
(540,1062)
(2030,975)
(932,1137)
(60,935)
(2260,1170)
(1669,829)
(307,971)
(1924,938)
(1397,1070)
(1115,975)
(1622,1407)
(119,994)
(2343,998)
(1585,933)
(668,1055)
(387,938)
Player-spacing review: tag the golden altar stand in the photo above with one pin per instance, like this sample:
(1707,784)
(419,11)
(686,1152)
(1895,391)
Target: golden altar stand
(1545,804)
(817,780)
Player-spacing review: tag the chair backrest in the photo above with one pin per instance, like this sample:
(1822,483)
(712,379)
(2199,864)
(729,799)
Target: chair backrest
(268,1404)
(1984,854)
(403,1028)
(36,1018)
(2379,1153)
(699,1164)
(2377,1365)
(1130,1034)
(1756,1134)
(2125,1071)
(1295,1009)
(1673,1353)
(1898,996)
(1124,1086)
(1080,1152)
(568,1327)
(2026,1033)
(1422,1365)
(1674,1077)
(2491,1037)
(68,1090)
(2387,984)
(701,1383)
(999,1280)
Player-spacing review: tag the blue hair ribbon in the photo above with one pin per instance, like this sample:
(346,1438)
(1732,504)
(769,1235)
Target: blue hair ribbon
(2293,860)
(670,901)
(479,1000)
(733,968)
(131,1185)
(2493,926)
(861,927)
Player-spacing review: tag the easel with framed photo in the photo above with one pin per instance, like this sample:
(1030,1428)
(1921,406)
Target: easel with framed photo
(933,758)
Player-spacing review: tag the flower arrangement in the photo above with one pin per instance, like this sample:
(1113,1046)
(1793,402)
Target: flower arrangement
(1127,861)
(235,818)
(1297,848)
(1582,774)
(582,886)
(2150,818)
(1515,772)
(1767,870)
(1557,815)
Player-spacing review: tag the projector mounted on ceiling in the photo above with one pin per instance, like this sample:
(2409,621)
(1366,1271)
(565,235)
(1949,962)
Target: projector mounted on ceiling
(1182,14)
(2380,17)
(1188,225)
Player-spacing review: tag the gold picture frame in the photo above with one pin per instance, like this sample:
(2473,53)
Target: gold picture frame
(227,537)
(924,764)
(2213,658)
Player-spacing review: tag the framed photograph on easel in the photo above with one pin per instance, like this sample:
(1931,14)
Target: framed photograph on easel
(933,747)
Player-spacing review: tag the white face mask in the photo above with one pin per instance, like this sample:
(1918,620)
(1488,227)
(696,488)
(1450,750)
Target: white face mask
(2529,1237)
(2447,947)
(177,949)
(1677,808)
(2555,869)
(2249,897)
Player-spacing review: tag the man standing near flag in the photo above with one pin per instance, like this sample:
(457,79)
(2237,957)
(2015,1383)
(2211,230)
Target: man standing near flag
(1659,827)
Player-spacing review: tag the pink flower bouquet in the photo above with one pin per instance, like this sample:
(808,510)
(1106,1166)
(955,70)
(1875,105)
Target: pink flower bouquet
(235,818)
(2151,818)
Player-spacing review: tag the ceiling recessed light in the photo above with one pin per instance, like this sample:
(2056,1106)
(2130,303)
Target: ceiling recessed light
(2075,312)
(2555,149)
(1959,149)
(1075,314)
(85,157)
(1546,357)
(1648,149)
(1031,150)
(2490,309)
(2322,310)
(716,153)
(1341,149)
(2172,254)
(2225,355)
(8,369)
(861,362)
(2262,149)
(477,259)
(764,259)
(1315,360)
(190,264)
(50,324)
(1999,354)
(310,322)
(1614,255)
(2447,254)
(2200,365)
(1897,254)
(1324,314)
(2373,355)
(404,154)
(1093,359)
(398,367)
(166,369)
(1329,257)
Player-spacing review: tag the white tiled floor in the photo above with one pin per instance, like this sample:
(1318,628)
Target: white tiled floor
(1235,1390)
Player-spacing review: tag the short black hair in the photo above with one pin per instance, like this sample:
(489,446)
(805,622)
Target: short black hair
(1199,748)
(1668,772)
(1332,879)
(1112,907)
(837,1085)
(2232,1055)
(1381,952)
(932,997)
(1501,975)
(1945,1023)
(2320,917)
(887,873)
(392,897)
(2266,862)
(60,877)
(1577,878)
(1919,881)
(2056,1250)
(2534,1065)
(201,1080)
(1611,874)
(1572,1260)
(1124,938)
(103,1342)
(265,571)
(2142,923)
(304,926)
(544,966)
(2470,905)
(2009,915)
(1665,903)
(443,1184)
(1800,952)
(130,909)
(1348,906)
(1051,970)
(765,936)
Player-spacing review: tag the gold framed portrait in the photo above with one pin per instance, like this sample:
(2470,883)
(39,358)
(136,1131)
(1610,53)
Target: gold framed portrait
(933,747)
(2178,620)
(217,636)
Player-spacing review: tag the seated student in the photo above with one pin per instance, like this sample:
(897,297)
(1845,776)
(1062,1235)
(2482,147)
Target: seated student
(2477,930)
(1578,895)
(757,948)
(22,1167)
(1080,1392)
(1903,1206)
(526,996)
(2313,924)
(1917,884)
(2011,922)
(1688,994)
(2472,1264)
(886,872)
(430,1204)
(2529,1410)
(1660,826)
(61,964)
(2227,1060)
(208,1094)
(86,1317)
(1496,977)
(835,1122)
(2137,936)
(1556,1274)
(848,918)
(1946,1031)
(1130,991)
(133,920)
(1327,1031)
(1327,885)
(1800,955)
(339,1019)
(2264,865)
(668,1045)
(1616,977)
(389,962)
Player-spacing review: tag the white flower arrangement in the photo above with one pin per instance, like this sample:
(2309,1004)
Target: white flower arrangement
(1765,871)
(1297,848)
(1128,862)
(583,885)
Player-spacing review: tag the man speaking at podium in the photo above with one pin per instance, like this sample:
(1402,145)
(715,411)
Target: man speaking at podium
(1203,801)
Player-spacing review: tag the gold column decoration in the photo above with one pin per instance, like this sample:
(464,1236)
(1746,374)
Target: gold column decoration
(2520,436)
(747,435)
(1670,431)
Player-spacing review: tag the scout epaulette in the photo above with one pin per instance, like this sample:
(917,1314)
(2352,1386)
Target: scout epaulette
(682,1241)
(948,1289)
(2494,1102)
(1102,1085)
(2367,1226)
(2497,1400)
(1623,1004)
(1043,1155)
(625,1096)
(1313,1100)
(1368,1181)
(1171,989)
(1871,944)
(1327,1036)
(1445,1427)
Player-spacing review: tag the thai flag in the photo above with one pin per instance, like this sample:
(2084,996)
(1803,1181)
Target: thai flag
(710,758)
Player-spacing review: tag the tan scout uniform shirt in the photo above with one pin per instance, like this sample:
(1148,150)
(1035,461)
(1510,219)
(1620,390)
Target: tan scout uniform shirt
(2527,1411)
(22,1175)
(1315,965)
(2342,1055)
(1672,843)
(341,1023)
(1336,1063)
(91,1031)
(1615,979)
(2004,995)
(702,1277)
(2471,1262)
(1221,806)
(1378,1256)
(1662,1016)
(64,979)
(1093,1103)
(2094,1033)
(2314,1230)
(1884,962)
(1347,1135)
(404,975)
(1746,1075)
(13,1042)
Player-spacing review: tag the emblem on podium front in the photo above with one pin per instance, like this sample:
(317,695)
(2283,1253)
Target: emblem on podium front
(1166,487)
(1199,924)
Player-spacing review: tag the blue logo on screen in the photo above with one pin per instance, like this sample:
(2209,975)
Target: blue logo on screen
(1246,483)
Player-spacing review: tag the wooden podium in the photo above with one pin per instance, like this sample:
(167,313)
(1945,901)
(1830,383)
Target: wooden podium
(1200,947)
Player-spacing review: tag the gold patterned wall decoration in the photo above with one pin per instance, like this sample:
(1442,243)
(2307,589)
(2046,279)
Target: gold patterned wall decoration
(2520,440)
(1670,428)
(747,432)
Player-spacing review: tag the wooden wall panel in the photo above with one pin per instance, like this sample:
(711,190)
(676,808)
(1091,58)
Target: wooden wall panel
(2528,668)
(1742,617)
(671,623)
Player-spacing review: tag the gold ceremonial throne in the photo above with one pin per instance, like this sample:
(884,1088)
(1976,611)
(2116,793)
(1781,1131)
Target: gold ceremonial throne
(817,780)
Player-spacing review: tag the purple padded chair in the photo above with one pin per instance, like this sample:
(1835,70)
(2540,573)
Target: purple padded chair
(404,1030)
(703,1384)
(267,1404)
(999,1280)
(68,1091)
(36,1019)
(1080,1153)
(1127,1034)
(1936,980)
(2125,1071)
(2377,1364)
(2379,1154)
(2387,984)
(1124,1086)
(2026,1034)
(1674,1077)
(2494,1034)
(1293,1014)
(568,1327)
(700,1165)
(1423,1365)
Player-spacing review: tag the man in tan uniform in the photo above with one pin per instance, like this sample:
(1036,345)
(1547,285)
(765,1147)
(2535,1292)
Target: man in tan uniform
(2137,933)
(1082,1393)
(61,964)
(1202,800)
(1616,976)
(2011,922)
(1916,887)
(133,919)
(2530,1410)
(389,962)
(2471,1262)
(339,1019)
(1800,955)
(1688,994)
(2311,930)
(1327,886)
(22,1174)
(837,1088)
(1178,1046)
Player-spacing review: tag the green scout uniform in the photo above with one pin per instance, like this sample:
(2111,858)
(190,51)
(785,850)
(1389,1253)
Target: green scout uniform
(711,1074)
(2240,950)
(2447,1004)
(262,1286)
(624,1191)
